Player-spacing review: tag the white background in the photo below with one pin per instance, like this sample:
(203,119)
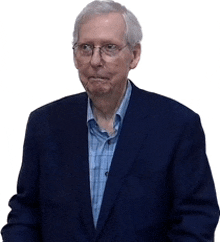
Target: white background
(180,59)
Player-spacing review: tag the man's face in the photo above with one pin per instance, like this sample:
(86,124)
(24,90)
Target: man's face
(101,74)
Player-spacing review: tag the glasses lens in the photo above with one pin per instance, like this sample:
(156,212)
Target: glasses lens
(110,49)
(84,50)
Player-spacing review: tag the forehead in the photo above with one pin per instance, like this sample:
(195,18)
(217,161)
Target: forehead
(103,28)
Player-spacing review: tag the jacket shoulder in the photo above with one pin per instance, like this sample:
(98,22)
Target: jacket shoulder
(162,107)
(67,108)
(73,101)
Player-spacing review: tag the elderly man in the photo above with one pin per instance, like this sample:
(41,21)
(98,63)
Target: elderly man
(116,163)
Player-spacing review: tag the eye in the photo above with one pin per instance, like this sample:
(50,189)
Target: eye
(110,47)
(85,47)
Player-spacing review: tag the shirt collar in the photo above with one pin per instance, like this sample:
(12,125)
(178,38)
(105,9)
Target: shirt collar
(121,110)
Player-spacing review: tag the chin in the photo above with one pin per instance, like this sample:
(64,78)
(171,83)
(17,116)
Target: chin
(98,90)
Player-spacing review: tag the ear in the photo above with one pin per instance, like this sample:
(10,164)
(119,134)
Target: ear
(136,54)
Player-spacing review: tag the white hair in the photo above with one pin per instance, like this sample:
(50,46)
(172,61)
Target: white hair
(133,28)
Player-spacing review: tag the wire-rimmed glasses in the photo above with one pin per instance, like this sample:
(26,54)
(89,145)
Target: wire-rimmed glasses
(87,50)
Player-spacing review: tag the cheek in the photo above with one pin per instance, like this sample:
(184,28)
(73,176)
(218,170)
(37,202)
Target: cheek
(123,64)
(120,67)
(82,75)
(83,70)
(83,78)
(79,65)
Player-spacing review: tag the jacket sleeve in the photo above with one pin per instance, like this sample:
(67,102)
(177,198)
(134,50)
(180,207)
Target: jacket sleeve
(195,210)
(24,219)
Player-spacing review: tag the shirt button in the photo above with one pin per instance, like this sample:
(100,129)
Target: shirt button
(109,141)
(106,174)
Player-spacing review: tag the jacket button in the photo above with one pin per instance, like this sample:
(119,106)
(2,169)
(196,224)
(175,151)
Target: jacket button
(106,174)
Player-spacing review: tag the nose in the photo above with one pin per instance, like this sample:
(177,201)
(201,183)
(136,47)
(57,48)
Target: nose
(96,58)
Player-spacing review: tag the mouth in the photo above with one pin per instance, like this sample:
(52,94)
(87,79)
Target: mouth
(98,78)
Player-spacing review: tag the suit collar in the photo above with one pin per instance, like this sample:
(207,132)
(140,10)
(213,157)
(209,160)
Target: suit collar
(129,142)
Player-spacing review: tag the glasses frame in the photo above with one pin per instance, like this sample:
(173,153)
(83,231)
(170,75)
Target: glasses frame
(101,49)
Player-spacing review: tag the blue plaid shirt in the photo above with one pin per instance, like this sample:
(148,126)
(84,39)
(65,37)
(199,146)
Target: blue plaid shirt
(101,150)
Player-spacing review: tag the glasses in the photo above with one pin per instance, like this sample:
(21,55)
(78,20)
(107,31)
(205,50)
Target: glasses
(87,50)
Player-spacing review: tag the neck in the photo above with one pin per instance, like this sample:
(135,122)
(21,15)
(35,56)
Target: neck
(105,108)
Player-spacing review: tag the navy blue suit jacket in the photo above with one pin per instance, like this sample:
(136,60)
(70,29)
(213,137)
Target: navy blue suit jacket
(159,188)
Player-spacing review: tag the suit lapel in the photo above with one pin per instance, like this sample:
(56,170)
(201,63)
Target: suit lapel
(73,137)
(130,140)
(82,171)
